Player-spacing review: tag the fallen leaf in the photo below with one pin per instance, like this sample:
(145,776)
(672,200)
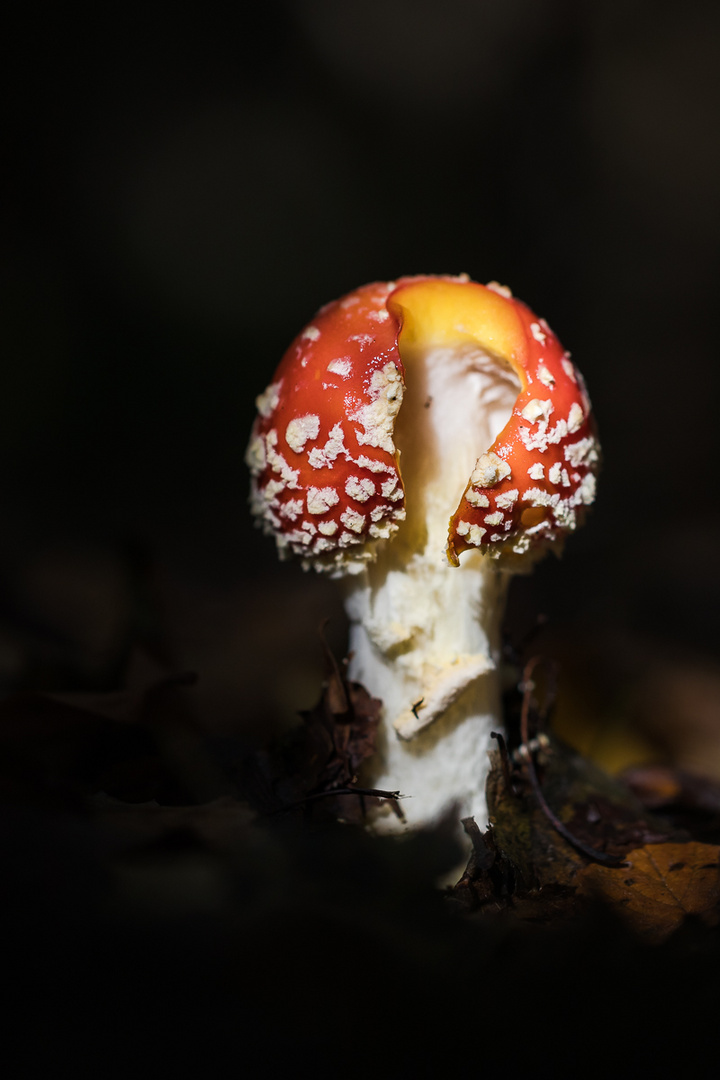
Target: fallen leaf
(687,800)
(523,864)
(141,743)
(220,825)
(316,768)
(660,885)
(597,810)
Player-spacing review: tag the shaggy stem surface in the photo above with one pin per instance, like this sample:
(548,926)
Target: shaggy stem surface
(424,635)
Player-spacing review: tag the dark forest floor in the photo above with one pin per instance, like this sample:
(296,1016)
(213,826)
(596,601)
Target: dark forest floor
(162,909)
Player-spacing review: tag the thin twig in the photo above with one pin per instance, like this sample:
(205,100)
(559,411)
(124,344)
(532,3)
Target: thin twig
(592,853)
(376,793)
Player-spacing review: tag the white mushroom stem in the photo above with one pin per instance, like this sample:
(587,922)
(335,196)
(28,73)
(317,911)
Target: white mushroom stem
(424,635)
(426,641)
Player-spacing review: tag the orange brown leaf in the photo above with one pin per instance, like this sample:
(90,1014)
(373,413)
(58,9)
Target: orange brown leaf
(660,885)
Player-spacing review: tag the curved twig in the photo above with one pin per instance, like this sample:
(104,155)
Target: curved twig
(592,853)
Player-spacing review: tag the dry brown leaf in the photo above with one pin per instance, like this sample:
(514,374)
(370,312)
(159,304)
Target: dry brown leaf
(316,768)
(660,885)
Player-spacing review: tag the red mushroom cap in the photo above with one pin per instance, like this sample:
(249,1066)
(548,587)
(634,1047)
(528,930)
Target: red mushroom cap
(326,481)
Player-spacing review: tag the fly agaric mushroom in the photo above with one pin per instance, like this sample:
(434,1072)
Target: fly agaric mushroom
(473,394)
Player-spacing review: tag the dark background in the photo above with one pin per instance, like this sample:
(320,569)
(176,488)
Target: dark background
(185,188)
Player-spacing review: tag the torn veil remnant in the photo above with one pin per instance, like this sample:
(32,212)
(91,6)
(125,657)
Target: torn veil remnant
(473,395)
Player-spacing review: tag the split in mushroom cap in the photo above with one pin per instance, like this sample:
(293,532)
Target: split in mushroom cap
(326,479)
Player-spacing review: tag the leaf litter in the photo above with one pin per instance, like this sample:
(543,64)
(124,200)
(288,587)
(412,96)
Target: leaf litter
(213,893)
(564,835)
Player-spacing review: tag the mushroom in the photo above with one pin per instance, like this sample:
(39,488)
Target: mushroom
(473,394)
